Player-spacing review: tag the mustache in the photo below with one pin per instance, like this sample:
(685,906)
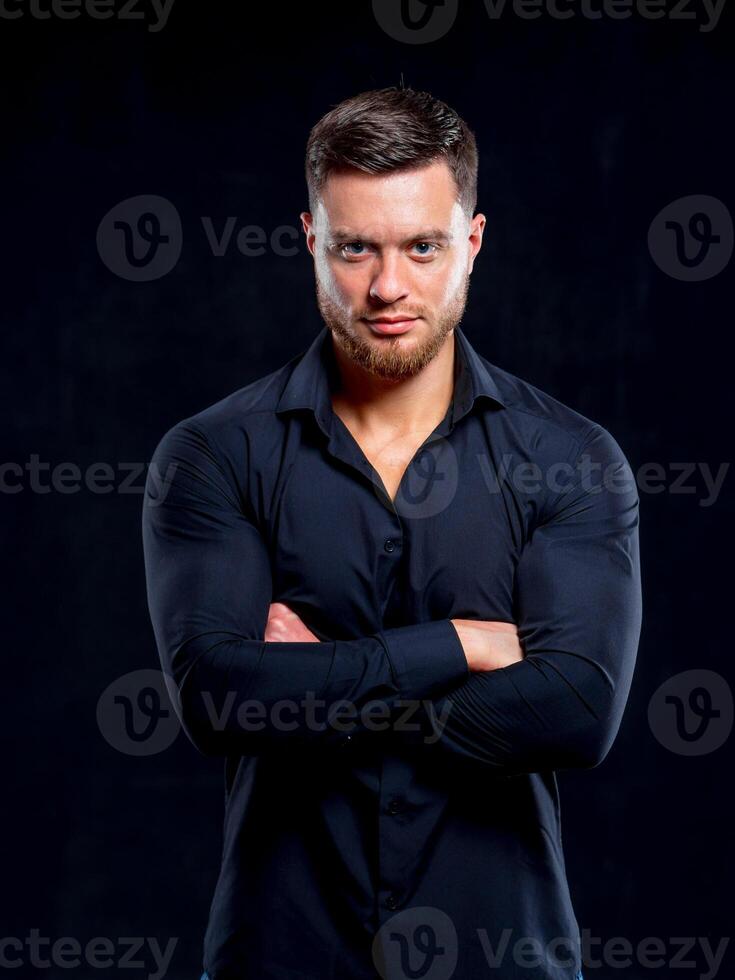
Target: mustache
(393,314)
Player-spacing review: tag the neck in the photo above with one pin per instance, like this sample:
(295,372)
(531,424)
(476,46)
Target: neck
(370,402)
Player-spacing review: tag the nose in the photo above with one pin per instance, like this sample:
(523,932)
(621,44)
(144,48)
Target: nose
(387,285)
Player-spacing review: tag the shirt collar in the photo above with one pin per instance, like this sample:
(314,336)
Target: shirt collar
(316,375)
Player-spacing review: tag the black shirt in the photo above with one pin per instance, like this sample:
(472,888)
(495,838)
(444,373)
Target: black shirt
(387,812)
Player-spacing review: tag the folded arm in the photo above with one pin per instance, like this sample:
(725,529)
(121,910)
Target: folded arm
(209,589)
(578,611)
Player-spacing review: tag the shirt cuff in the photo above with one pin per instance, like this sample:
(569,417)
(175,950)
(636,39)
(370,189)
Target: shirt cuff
(427,658)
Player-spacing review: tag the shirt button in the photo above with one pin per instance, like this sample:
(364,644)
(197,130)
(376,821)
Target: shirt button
(392,902)
(395,805)
(389,545)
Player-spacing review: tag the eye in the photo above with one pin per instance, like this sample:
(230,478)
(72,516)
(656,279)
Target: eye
(429,246)
(352,250)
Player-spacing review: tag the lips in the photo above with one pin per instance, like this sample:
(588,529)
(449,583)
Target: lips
(391,328)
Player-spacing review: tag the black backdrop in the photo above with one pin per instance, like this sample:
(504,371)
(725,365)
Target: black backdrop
(587,128)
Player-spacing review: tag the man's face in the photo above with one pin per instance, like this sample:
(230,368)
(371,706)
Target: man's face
(395,246)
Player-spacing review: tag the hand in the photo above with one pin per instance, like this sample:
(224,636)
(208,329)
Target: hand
(488,644)
(285,626)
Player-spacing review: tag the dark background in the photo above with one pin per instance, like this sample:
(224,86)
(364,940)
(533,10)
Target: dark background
(586,130)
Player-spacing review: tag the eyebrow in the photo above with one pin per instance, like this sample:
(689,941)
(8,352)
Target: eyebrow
(430,234)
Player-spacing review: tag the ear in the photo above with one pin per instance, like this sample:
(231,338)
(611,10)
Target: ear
(307,223)
(477,227)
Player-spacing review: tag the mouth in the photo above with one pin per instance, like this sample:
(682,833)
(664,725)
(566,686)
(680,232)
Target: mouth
(390,326)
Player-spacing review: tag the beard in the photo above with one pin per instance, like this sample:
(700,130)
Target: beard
(385,357)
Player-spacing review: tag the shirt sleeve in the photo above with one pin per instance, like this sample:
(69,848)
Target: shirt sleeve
(209,588)
(578,607)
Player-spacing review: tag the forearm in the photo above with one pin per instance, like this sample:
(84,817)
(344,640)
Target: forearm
(577,595)
(209,587)
(247,696)
(545,712)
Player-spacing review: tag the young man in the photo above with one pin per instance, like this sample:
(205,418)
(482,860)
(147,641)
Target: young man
(396,588)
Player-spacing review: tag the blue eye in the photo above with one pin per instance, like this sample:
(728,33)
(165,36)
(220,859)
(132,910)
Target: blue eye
(358,249)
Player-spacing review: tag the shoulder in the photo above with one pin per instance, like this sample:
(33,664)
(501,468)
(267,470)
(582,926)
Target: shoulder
(536,410)
(557,455)
(229,424)
(543,423)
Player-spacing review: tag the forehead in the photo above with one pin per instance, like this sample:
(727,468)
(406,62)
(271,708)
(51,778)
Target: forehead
(425,196)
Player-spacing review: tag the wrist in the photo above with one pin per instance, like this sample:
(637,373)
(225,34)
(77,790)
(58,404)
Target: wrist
(465,640)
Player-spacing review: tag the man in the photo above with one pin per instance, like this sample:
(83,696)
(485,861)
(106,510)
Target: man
(396,587)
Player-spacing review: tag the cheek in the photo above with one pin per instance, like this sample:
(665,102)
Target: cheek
(441,285)
(344,286)
(328,281)
(455,277)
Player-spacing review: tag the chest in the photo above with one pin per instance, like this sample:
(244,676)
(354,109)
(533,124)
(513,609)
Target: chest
(389,452)
(390,457)
(367,536)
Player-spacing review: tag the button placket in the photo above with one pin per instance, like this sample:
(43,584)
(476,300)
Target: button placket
(395,833)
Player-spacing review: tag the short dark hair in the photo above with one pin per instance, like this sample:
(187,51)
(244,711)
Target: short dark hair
(391,129)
